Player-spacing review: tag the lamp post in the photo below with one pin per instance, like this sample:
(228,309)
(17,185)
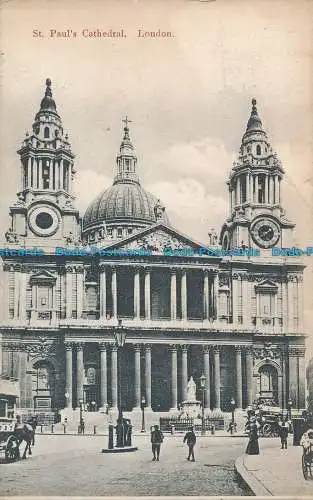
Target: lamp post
(202,383)
(80,413)
(289,406)
(120,337)
(233,406)
(143,425)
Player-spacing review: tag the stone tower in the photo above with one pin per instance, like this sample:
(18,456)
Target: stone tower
(256,216)
(44,214)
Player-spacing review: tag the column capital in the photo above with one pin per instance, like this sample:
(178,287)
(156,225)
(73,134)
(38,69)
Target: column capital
(248,350)
(80,346)
(68,345)
(137,347)
(184,347)
(113,347)
(147,347)
(102,346)
(216,349)
(206,349)
(173,347)
(296,351)
(79,269)
(102,267)
(173,270)
(238,348)
(69,268)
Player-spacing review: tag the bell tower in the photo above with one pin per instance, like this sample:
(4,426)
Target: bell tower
(256,216)
(44,214)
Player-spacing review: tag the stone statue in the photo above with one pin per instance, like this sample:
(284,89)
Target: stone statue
(11,236)
(212,237)
(191,390)
(159,210)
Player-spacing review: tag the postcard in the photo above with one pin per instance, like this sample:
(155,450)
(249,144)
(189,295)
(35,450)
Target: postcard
(156,248)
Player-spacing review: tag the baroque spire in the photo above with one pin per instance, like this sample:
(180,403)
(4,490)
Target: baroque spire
(126,160)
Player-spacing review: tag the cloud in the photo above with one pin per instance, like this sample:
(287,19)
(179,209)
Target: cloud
(88,184)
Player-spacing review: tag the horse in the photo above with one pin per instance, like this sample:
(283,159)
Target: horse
(24,432)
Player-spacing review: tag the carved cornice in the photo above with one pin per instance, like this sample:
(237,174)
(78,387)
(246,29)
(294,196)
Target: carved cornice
(266,352)
(296,351)
(278,278)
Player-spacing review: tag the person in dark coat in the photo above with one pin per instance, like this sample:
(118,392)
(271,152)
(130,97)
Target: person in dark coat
(283,433)
(156,441)
(253,443)
(190,439)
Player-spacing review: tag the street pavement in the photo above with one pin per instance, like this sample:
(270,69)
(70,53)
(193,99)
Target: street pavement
(275,472)
(74,466)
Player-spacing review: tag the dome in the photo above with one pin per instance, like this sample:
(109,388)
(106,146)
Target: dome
(124,202)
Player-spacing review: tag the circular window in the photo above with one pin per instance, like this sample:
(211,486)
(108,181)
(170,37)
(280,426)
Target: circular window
(44,220)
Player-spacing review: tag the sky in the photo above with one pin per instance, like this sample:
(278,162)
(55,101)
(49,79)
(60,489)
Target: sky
(188,96)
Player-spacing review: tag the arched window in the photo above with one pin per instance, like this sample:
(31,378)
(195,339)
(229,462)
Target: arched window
(91,376)
(268,383)
(46,133)
(258,149)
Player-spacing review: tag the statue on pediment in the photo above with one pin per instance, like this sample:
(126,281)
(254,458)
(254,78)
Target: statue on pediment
(212,237)
(11,236)
(159,210)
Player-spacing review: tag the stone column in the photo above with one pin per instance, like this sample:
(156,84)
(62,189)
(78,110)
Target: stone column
(216,296)
(114,376)
(237,191)
(184,294)
(249,374)
(251,188)
(217,378)
(69,374)
(61,174)
(247,187)
(17,284)
(230,203)
(114,293)
(174,377)
(137,378)
(238,377)
(40,175)
(206,371)
(80,290)
(184,372)
(69,291)
(103,292)
(290,289)
(300,303)
(22,376)
(302,377)
(234,299)
(137,294)
(276,188)
(246,310)
(173,294)
(80,373)
(147,294)
(29,172)
(103,376)
(22,295)
(148,375)
(206,297)
(57,175)
(266,189)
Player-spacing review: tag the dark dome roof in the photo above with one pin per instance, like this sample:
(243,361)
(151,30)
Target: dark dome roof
(123,202)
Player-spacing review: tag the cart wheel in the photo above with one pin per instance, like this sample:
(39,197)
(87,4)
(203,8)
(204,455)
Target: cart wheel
(267,430)
(304,468)
(12,451)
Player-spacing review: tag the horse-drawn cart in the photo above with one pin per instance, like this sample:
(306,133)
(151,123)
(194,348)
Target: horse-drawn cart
(9,446)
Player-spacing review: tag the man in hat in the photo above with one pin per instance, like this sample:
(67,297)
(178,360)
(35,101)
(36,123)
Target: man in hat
(190,439)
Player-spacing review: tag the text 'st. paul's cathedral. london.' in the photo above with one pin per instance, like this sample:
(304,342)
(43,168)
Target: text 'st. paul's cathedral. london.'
(132,308)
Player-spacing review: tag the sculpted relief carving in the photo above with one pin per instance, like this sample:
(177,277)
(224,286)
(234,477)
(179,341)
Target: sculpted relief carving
(157,242)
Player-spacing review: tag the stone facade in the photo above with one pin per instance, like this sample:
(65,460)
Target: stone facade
(238,319)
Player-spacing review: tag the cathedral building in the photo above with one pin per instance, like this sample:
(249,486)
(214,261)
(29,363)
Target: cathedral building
(72,286)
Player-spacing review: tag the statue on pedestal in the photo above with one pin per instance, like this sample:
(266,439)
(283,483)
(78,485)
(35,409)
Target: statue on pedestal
(191,390)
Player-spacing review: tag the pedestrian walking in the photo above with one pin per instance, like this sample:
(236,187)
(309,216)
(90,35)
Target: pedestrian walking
(156,441)
(82,426)
(190,439)
(253,444)
(283,433)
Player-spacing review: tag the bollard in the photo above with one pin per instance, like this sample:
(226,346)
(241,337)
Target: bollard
(95,429)
(110,444)
(64,428)
(52,429)
(172,430)
(79,430)
(41,429)
(213,429)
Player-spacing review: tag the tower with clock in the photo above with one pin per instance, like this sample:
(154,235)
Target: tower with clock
(256,216)
(44,214)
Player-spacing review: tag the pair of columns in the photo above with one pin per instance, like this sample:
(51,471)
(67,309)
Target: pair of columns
(113,349)
(271,191)
(216,376)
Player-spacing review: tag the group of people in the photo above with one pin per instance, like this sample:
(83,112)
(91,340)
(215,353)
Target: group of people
(253,427)
(157,438)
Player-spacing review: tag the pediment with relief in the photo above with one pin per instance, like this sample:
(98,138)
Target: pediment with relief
(158,239)
(42,277)
(266,286)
